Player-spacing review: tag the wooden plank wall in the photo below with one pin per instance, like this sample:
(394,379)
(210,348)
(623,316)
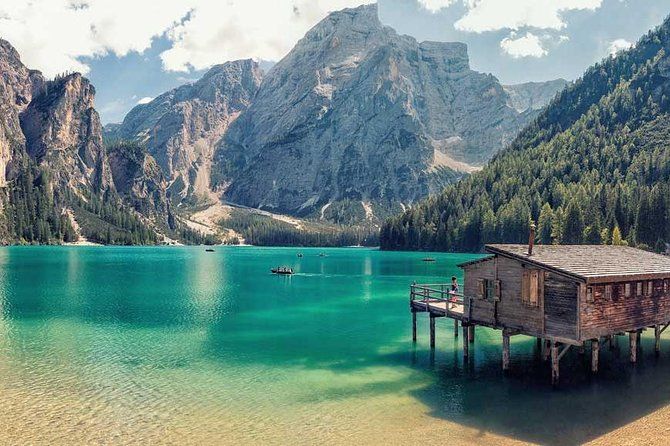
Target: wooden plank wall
(617,313)
(511,312)
(482,310)
(560,306)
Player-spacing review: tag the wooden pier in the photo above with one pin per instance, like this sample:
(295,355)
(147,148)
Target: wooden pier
(564,296)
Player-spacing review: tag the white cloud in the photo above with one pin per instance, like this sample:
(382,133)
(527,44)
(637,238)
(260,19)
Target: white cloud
(145,100)
(236,29)
(529,45)
(52,35)
(436,5)
(618,45)
(494,15)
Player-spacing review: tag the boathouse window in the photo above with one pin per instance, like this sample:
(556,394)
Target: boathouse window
(589,294)
(489,289)
(608,292)
(665,285)
(532,287)
(639,289)
(650,288)
(628,290)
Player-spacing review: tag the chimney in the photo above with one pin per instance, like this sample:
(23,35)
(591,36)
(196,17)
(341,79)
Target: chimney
(531,239)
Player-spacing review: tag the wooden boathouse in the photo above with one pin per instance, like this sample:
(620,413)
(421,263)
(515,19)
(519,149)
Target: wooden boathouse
(563,295)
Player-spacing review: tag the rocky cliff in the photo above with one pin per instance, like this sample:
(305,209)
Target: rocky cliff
(533,95)
(56,177)
(180,128)
(357,113)
(64,134)
(17,86)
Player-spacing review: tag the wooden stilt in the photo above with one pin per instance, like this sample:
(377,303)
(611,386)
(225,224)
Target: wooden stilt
(554,363)
(547,350)
(582,349)
(595,353)
(657,337)
(505,351)
(471,334)
(432,331)
(639,337)
(414,326)
(455,328)
(466,341)
(633,346)
(614,342)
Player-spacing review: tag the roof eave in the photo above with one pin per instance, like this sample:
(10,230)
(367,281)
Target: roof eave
(530,260)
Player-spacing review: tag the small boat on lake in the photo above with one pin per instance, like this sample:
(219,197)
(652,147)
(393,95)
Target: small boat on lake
(282,271)
(322,254)
(428,259)
(300,254)
(209,250)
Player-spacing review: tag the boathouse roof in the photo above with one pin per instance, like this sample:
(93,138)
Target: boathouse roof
(591,263)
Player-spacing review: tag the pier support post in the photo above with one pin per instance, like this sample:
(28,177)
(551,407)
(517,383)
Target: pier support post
(657,337)
(554,363)
(505,351)
(633,346)
(614,342)
(471,334)
(546,351)
(455,328)
(432,330)
(466,341)
(582,349)
(414,326)
(595,353)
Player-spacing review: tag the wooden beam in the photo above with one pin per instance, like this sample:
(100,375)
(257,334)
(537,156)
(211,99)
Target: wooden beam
(566,347)
(633,346)
(466,341)
(471,334)
(414,326)
(505,352)
(554,363)
(657,338)
(432,331)
(595,353)
(455,328)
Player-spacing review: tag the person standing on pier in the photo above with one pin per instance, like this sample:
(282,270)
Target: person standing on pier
(454,291)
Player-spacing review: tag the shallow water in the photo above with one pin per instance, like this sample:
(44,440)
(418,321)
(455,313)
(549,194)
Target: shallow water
(177,345)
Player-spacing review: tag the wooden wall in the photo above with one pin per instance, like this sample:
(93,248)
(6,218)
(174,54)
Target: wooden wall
(510,311)
(560,306)
(614,312)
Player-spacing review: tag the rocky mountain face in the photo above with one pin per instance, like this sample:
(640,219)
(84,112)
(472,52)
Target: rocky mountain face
(533,95)
(54,166)
(139,179)
(64,134)
(356,113)
(17,86)
(180,128)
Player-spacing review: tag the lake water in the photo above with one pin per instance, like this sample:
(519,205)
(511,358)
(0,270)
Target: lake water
(177,345)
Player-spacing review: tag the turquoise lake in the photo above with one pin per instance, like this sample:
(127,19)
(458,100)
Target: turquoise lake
(180,346)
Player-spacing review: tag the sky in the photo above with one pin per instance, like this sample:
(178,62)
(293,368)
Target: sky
(134,50)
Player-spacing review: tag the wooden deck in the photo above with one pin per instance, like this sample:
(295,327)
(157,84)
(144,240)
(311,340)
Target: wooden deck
(439,308)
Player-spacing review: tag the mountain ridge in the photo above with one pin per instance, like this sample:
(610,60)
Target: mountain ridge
(592,168)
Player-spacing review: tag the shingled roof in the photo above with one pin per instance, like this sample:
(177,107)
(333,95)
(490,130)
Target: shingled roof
(592,263)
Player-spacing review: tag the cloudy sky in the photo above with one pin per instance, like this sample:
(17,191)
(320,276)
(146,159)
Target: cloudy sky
(134,50)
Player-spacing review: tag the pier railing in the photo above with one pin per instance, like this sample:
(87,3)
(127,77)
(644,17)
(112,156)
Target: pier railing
(440,292)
